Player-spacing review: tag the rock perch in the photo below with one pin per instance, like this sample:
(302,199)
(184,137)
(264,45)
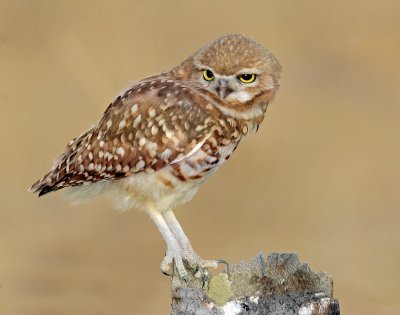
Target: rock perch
(281,284)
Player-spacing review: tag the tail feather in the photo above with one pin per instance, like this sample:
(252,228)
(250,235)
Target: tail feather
(43,186)
(45,190)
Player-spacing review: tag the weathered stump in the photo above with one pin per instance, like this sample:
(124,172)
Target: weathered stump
(279,285)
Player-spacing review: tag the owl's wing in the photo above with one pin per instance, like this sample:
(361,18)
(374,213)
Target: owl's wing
(143,130)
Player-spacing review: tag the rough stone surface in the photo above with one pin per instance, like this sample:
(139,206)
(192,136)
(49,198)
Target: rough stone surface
(280,284)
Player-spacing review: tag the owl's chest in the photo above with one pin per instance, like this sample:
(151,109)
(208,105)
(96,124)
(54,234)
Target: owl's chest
(174,184)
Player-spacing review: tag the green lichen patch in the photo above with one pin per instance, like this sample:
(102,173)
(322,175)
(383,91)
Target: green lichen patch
(219,289)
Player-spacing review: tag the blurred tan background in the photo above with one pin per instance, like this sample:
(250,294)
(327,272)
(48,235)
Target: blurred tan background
(321,178)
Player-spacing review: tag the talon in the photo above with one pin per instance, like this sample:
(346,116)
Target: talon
(164,267)
(166,273)
(221,261)
(203,280)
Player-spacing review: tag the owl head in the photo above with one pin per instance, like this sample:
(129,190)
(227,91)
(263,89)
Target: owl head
(235,70)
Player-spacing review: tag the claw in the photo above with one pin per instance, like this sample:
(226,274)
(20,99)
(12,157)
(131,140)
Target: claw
(166,273)
(203,274)
(173,257)
(184,261)
(165,266)
(221,261)
(203,280)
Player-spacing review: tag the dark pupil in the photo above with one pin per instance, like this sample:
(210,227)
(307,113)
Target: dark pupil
(209,74)
(246,76)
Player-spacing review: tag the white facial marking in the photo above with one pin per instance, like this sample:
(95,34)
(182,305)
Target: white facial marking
(241,96)
(252,113)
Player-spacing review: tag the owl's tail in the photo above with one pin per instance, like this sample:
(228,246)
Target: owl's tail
(44,185)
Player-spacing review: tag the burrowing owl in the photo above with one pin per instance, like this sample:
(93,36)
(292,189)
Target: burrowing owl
(159,140)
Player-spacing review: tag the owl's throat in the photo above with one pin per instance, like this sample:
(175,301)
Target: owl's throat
(255,112)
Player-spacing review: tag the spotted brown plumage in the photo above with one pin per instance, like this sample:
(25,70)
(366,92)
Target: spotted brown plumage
(134,136)
(165,135)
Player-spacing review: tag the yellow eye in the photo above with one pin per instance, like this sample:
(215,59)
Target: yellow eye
(247,77)
(208,75)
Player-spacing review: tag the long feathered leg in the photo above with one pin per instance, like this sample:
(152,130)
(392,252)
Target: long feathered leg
(174,252)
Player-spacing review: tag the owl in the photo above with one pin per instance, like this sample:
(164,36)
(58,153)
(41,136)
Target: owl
(161,138)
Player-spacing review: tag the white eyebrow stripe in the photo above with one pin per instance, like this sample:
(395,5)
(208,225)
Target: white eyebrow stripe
(242,71)
(249,70)
(224,76)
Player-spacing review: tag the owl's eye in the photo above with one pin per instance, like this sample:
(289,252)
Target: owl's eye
(208,75)
(247,77)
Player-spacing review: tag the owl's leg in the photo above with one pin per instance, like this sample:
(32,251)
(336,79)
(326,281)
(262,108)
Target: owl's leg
(174,251)
(187,250)
(177,230)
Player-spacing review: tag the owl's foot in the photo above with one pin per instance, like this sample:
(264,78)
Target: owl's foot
(173,255)
(181,257)
(201,264)
(195,262)
(179,250)
(200,267)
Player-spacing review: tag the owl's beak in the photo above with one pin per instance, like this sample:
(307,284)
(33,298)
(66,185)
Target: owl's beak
(222,88)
